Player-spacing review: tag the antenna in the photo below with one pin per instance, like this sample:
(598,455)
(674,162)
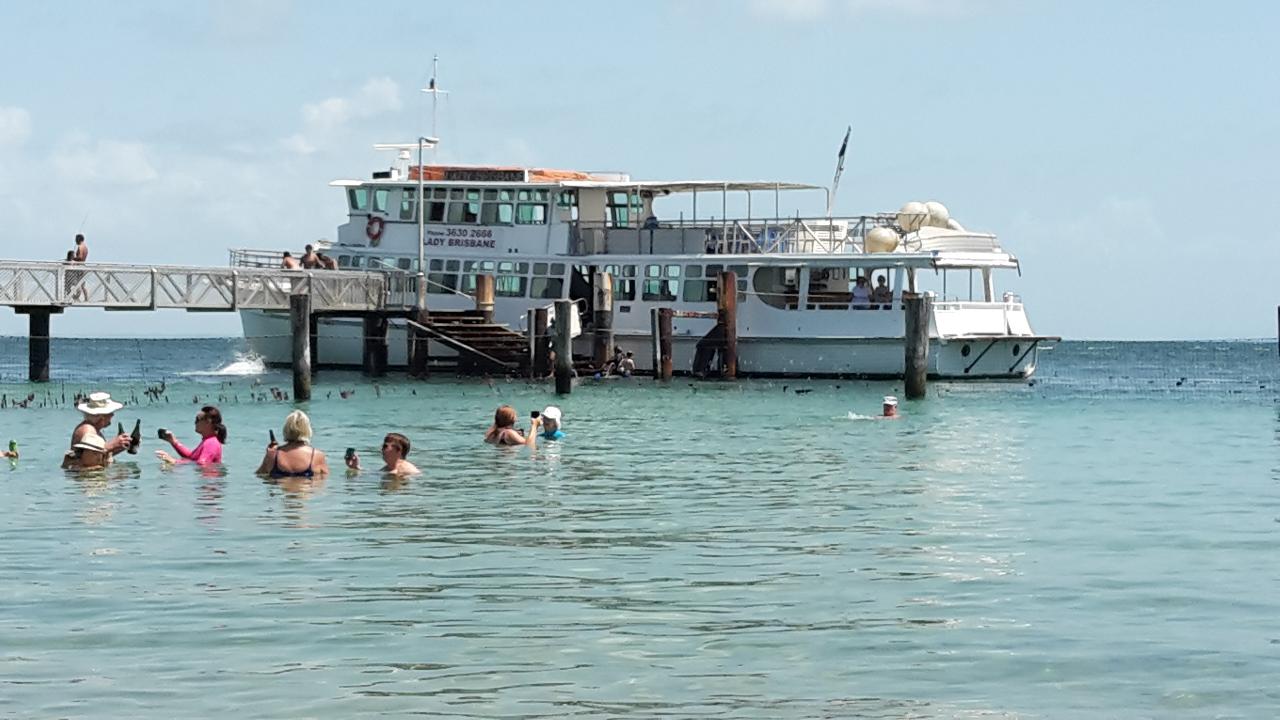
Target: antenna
(433,87)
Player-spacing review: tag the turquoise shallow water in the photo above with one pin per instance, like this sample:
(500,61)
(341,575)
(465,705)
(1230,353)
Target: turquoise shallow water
(1102,543)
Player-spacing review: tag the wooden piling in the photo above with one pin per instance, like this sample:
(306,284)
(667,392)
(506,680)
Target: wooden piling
(655,342)
(299,328)
(602,320)
(484,296)
(916,343)
(375,345)
(541,343)
(727,311)
(665,325)
(314,342)
(564,346)
(38,345)
(419,348)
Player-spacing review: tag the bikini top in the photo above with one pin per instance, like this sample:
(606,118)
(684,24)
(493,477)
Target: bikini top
(276,472)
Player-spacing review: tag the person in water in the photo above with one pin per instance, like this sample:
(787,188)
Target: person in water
(88,454)
(296,458)
(212,435)
(97,411)
(394,449)
(552,423)
(503,432)
(889,409)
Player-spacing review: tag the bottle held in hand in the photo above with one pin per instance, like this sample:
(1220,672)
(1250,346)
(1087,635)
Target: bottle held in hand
(135,438)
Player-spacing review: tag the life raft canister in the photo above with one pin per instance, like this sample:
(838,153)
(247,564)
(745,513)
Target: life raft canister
(373,230)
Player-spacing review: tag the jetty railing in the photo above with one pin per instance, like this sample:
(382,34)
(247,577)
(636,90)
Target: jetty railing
(153,287)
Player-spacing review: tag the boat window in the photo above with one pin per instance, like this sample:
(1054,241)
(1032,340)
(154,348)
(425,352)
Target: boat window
(830,288)
(373,263)
(465,213)
(510,280)
(451,265)
(380,199)
(344,261)
(403,263)
(490,194)
(357,261)
(442,283)
(547,287)
(661,283)
(693,271)
(557,268)
(624,283)
(531,214)
(435,211)
(436,264)
(506,195)
(539,268)
(408,199)
(497,213)
(622,208)
(777,286)
(439,193)
(567,198)
(359,198)
(700,290)
(457,194)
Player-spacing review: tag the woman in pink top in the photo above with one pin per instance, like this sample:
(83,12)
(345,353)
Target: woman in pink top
(212,434)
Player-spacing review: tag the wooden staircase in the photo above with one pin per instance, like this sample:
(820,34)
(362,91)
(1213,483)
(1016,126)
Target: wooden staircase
(482,347)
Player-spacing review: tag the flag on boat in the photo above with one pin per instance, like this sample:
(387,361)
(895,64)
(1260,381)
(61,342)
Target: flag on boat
(835,182)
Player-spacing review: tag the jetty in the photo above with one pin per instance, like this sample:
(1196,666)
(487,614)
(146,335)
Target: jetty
(41,290)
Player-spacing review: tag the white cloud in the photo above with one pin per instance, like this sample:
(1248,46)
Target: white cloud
(15,126)
(326,119)
(103,161)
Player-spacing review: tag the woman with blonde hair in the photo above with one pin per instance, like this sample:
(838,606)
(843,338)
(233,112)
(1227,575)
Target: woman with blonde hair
(296,458)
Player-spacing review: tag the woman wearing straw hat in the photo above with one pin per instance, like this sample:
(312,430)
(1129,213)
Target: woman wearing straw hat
(98,410)
(88,454)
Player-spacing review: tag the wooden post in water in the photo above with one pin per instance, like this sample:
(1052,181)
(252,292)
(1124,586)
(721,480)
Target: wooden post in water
(300,329)
(564,346)
(484,296)
(655,342)
(375,345)
(541,344)
(38,344)
(419,352)
(916,343)
(531,334)
(665,324)
(727,310)
(602,322)
(313,339)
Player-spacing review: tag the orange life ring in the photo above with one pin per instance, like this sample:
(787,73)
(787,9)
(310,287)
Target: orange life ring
(373,230)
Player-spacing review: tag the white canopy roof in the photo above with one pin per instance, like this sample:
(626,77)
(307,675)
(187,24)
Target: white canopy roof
(675,186)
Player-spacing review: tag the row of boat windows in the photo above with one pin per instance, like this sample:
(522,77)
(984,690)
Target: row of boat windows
(463,206)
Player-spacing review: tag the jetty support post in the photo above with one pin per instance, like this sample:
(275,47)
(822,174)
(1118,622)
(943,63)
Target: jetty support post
(564,346)
(916,343)
(727,309)
(419,352)
(313,339)
(541,344)
(484,296)
(300,331)
(661,322)
(602,320)
(375,344)
(37,341)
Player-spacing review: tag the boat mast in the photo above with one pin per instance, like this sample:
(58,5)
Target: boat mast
(433,88)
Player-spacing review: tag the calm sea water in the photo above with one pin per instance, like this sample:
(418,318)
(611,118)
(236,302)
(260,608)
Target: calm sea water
(1101,543)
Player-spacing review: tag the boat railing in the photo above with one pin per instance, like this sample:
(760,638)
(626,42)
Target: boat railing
(735,236)
(401,284)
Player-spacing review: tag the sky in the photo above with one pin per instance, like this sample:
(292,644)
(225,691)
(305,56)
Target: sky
(1115,147)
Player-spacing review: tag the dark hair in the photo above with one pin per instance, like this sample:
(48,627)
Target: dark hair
(398,440)
(214,415)
(309,248)
(79,238)
(71,254)
(288,254)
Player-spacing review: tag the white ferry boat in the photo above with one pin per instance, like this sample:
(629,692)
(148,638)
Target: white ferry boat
(544,234)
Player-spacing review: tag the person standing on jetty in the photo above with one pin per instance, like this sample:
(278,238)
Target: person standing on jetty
(212,435)
(296,458)
(310,261)
(81,250)
(98,410)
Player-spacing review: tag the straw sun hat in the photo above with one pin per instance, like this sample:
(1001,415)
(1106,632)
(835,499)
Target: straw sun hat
(98,403)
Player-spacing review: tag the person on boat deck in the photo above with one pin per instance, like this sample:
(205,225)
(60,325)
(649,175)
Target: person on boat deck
(394,449)
(882,295)
(296,458)
(503,432)
(627,366)
(97,411)
(310,261)
(88,454)
(861,294)
(552,423)
(289,262)
(326,262)
(212,435)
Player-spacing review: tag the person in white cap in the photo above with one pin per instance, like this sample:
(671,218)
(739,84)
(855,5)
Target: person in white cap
(890,409)
(98,410)
(88,454)
(552,422)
